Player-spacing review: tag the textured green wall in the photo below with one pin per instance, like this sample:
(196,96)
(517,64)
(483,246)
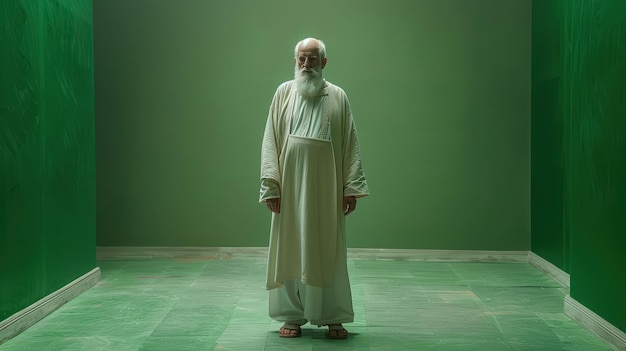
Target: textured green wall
(440,90)
(581,104)
(47,155)
(595,36)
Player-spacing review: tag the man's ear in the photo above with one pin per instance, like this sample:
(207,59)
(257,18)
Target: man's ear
(324,62)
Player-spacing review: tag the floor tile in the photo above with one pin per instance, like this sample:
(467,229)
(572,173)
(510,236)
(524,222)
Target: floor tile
(210,304)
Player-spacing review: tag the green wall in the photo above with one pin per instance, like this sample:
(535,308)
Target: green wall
(440,90)
(579,100)
(550,138)
(47,155)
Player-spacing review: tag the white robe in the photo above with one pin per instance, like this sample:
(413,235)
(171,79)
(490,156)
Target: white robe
(311,160)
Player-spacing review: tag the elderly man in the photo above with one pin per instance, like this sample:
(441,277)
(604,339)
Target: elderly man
(311,177)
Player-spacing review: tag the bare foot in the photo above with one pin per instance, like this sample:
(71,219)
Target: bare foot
(290,331)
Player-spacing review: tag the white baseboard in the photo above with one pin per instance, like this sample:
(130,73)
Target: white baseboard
(215,253)
(595,324)
(549,269)
(439,255)
(25,318)
(168,252)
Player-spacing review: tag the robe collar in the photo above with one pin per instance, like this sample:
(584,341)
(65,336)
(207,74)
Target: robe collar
(324,90)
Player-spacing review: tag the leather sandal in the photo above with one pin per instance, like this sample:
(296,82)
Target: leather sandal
(337,331)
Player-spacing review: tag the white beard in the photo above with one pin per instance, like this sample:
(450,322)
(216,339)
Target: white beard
(310,83)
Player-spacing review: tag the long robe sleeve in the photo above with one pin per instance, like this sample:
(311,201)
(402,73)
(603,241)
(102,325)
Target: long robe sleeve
(270,168)
(270,172)
(354,183)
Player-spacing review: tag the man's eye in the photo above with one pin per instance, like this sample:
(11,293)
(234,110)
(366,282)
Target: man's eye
(302,59)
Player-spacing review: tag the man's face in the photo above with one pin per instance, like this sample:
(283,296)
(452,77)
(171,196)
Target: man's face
(307,60)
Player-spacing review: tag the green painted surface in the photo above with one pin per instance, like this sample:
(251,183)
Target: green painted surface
(550,132)
(595,33)
(222,305)
(440,91)
(47,149)
(579,133)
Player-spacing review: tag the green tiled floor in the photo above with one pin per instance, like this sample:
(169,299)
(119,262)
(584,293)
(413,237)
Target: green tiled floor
(178,305)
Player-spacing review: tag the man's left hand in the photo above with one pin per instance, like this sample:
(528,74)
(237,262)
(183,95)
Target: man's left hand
(349,204)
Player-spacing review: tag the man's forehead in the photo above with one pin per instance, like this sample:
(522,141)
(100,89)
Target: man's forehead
(308,51)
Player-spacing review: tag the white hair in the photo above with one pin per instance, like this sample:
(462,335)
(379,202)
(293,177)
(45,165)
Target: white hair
(322,47)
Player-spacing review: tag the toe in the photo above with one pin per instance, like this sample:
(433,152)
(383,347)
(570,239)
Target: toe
(289,332)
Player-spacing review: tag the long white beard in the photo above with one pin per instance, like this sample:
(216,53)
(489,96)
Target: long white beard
(310,83)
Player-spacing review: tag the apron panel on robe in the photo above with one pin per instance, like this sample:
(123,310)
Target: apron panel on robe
(304,235)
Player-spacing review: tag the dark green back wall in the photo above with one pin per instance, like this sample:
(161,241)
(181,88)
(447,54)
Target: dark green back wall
(579,129)
(440,90)
(47,149)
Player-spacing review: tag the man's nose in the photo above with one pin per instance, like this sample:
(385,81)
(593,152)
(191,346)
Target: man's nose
(307,62)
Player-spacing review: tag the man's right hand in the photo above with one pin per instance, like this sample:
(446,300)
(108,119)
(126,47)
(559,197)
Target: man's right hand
(273,205)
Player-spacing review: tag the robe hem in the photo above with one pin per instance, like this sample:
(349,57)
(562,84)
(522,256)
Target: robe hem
(277,285)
